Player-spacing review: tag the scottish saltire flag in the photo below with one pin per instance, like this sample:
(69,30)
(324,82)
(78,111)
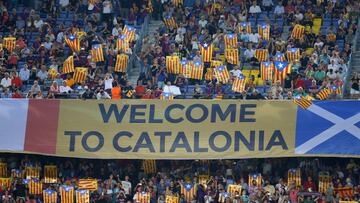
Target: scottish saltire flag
(331,127)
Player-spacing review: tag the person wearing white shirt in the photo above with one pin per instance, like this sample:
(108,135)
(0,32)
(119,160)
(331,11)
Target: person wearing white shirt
(107,7)
(64,3)
(254,37)
(267,5)
(116,30)
(6,81)
(64,88)
(48,44)
(38,22)
(249,53)
(60,37)
(108,81)
(331,74)
(299,16)
(318,43)
(279,9)
(333,66)
(179,38)
(102,95)
(203,22)
(236,72)
(254,9)
(181,30)
(24,74)
(54,65)
(167,88)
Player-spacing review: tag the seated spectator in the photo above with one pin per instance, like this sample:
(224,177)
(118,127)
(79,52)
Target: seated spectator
(42,74)
(35,88)
(17,95)
(116,91)
(6,94)
(198,92)
(64,88)
(139,90)
(6,81)
(102,95)
(16,82)
(148,94)
(88,94)
(279,10)
(255,95)
(254,10)
(54,88)
(236,72)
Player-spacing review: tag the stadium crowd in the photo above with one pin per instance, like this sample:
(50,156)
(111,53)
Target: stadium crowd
(120,180)
(325,49)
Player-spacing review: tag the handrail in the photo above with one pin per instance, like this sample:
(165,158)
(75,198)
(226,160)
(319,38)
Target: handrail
(346,88)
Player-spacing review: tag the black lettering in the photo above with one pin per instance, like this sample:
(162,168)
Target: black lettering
(181,142)
(277,140)
(249,144)
(72,135)
(212,141)
(261,140)
(204,115)
(144,141)
(168,116)
(244,112)
(100,138)
(162,136)
(112,109)
(216,110)
(134,113)
(152,118)
(117,138)
(197,147)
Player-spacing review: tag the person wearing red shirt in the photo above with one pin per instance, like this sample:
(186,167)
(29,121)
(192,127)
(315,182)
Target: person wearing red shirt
(17,95)
(299,82)
(16,81)
(148,95)
(139,90)
(309,185)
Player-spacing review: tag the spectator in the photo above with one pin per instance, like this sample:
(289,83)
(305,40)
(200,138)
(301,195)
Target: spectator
(24,74)
(279,10)
(64,88)
(254,10)
(116,91)
(102,95)
(6,81)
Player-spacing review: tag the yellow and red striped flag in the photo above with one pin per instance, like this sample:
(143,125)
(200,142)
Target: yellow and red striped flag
(186,67)
(80,34)
(281,70)
(239,84)
(230,41)
(66,194)
(122,44)
(52,73)
(293,54)
(80,74)
(68,66)
(245,26)
(331,37)
(294,175)
(149,166)
(32,172)
(82,196)
(215,63)
(232,56)
(298,31)
(223,196)
(279,57)
(73,42)
(49,196)
(209,74)
(173,64)
(1,47)
(255,177)
(323,94)
(203,180)
(336,90)
(93,2)
(50,173)
(3,170)
(206,51)
(97,54)
(17,173)
(189,190)
(121,63)
(143,197)
(5,182)
(222,74)
(232,189)
(35,186)
(324,182)
(266,70)
(302,102)
(170,22)
(197,70)
(177,2)
(171,199)
(216,7)
(9,43)
(261,54)
(149,7)
(345,192)
(129,33)
(88,184)
(264,31)
(165,96)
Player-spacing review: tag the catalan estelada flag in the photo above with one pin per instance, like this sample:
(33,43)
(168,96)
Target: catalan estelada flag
(255,177)
(68,66)
(197,70)
(302,102)
(5,182)
(50,174)
(80,74)
(280,70)
(66,194)
(230,41)
(170,22)
(232,56)
(173,64)
(279,57)
(264,31)
(261,54)
(73,42)
(129,33)
(189,190)
(336,90)
(49,196)
(233,189)
(239,84)
(3,170)
(17,173)
(223,196)
(32,172)
(323,94)
(82,196)
(324,182)
(206,51)
(121,63)
(80,34)
(186,67)
(35,186)
(245,27)
(171,199)
(122,44)
(294,175)
(149,166)
(222,74)
(298,31)
(293,54)
(266,70)
(215,63)
(163,96)
(97,54)
(9,43)
(177,2)
(88,184)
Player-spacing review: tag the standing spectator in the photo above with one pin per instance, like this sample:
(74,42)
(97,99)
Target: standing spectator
(116,91)
(24,74)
